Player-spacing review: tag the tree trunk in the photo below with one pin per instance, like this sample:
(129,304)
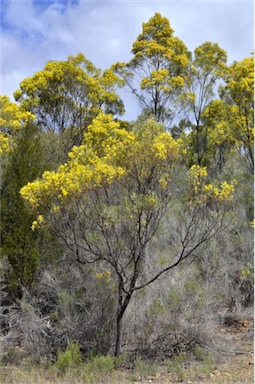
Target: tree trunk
(121,310)
(118,336)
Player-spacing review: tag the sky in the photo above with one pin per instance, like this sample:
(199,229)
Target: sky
(34,32)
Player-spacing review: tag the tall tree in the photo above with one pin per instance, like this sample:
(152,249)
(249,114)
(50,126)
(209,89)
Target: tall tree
(157,71)
(230,120)
(66,95)
(238,94)
(208,65)
(21,248)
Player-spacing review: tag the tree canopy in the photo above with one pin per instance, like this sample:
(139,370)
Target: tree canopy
(157,71)
(66,95)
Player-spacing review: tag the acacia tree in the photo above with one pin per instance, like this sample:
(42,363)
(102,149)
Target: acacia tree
(208,65)
(66,95)
(238,94)
(12,119)
(157,71)
(230,120)
(107,203)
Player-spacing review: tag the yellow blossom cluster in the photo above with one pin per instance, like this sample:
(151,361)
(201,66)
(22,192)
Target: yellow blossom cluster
(12,118)
(37,223)
(104,276)
(247,273)
(222,192)
(198,173)
(164,146)
(108,152)
(4,144)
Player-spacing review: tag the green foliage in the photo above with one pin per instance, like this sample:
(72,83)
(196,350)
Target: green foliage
(156,308)
(12,356)
(207,66)
(103,365)
(144,368)
(98,369)
(113,190)
(122,360)
(70,358)
(207,359)
(177,366)
(174,300)
(20,246)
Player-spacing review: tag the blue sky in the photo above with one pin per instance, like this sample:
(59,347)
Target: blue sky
(36,31)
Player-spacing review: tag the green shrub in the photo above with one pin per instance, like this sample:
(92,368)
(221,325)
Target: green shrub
(122,361)
(206,358)
(70,358)
(102,364)
(144,368)
(177,366)
(98,369)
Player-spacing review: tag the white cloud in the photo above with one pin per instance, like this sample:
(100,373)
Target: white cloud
(105,31)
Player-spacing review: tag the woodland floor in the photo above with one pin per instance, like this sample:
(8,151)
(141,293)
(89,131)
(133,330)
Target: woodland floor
(238,369)
(234,365)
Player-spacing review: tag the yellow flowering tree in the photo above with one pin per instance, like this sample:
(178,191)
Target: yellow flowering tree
(156,73)
(207,66)
(238,94)
(12,119)
(229,122)
(66,95)
(107,201)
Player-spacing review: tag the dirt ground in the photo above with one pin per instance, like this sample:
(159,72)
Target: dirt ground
(235,364)
(238,369)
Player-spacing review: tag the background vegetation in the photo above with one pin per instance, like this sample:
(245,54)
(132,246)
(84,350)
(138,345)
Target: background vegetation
(128,239)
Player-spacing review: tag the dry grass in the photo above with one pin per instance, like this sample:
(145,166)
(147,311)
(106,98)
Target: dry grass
(238,369)
(236,365)
(14,375)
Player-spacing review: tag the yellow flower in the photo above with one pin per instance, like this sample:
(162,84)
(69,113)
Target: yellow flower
(34,225)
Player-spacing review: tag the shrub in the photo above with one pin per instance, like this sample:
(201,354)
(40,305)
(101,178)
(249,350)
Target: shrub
(206,358)
(70,358)
(98,369)
(144,368)
(177,366)
(101,364)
